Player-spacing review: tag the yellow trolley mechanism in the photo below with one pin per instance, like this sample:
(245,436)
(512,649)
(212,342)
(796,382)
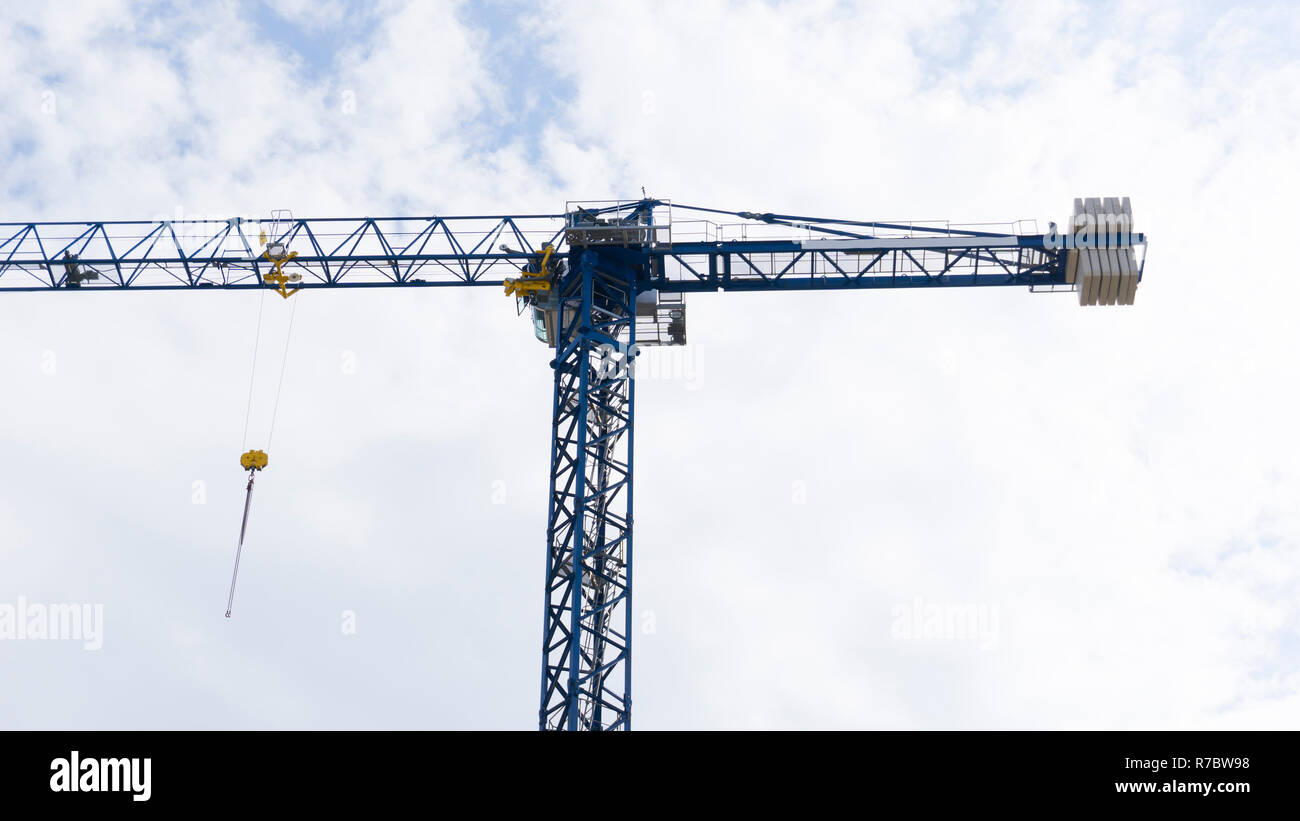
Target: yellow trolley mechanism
(277,253)
(533,283)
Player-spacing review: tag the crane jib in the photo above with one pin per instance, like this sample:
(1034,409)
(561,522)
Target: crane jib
(598,281)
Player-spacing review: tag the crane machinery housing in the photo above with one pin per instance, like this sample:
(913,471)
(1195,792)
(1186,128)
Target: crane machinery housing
(599,281)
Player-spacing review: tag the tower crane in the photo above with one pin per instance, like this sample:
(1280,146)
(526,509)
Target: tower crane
(599,281)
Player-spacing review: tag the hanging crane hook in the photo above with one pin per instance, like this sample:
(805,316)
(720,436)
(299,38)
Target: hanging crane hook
(252,461)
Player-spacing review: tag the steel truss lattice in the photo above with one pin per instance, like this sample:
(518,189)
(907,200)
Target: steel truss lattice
(586,644)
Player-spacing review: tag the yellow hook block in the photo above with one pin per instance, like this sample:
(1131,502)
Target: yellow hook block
(254,460)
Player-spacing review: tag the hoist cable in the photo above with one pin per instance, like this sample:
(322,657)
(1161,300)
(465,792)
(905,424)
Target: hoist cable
(250,459)
(284,362)
(248,411)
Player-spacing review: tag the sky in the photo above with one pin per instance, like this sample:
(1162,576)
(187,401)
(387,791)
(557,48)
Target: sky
(981,508)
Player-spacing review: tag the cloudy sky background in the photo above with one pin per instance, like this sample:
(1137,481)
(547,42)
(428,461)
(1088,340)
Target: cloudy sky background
(1118,490)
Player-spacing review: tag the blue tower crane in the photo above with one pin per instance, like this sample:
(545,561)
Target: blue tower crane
(599,281)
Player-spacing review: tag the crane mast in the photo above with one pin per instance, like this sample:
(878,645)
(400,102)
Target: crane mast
(600,281)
